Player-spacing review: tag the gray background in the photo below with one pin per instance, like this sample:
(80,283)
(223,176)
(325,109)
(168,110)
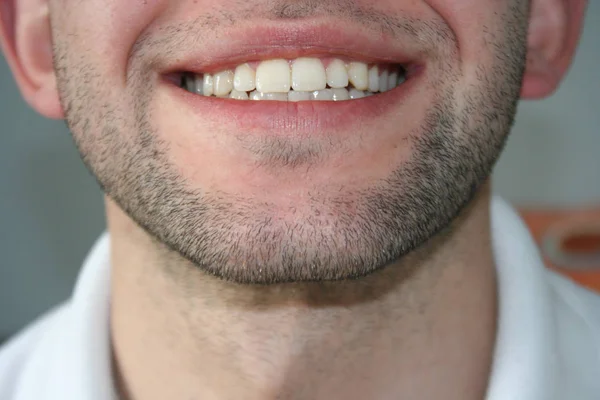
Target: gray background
(51,209)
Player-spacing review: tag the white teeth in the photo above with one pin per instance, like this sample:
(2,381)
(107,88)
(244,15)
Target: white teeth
(324,95)
(340,94)
(274,96)
(356,94)
(256,95)
(244,79)
(207,85)
(374,79)
(237,95)
(273,76)
(223,83)
(308,74)
(383,81)
(303,79)
(393,80)
(298,96)
(337,75)
(358,75)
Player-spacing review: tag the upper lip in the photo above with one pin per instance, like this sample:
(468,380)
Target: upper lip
(291,40)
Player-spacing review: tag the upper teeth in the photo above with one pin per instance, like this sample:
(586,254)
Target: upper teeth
(301,79)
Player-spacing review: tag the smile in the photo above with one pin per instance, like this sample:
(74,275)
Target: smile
(300,79)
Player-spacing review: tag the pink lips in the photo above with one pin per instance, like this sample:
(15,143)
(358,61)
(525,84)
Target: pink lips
(292,41)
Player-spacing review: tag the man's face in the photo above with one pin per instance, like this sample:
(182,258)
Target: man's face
(259,191)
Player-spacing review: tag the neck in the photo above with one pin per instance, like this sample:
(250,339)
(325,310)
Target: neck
(423,328)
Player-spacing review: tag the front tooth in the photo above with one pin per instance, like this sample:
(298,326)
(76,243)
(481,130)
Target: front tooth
(207,85)
(340,94)
(358,74)
(236,94)
(244,78)
(308,74)
(374,79)
(322,95)
(223,83)
(393,80)
(273,76)
(337,75)
(383,81)
(298,96)
(356,94)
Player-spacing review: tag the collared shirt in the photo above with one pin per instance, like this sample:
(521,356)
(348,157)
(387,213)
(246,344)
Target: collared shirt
(547,344)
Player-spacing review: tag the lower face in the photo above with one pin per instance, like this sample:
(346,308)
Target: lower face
(284,141)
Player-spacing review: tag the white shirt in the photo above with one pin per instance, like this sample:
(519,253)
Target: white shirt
(548,339)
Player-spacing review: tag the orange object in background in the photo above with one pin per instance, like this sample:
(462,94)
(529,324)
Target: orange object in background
(569,242)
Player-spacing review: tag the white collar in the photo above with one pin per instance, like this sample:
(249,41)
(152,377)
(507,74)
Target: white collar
(525,359)
(73,359)
(525,363)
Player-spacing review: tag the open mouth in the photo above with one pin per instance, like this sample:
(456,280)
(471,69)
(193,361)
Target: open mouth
(296,80)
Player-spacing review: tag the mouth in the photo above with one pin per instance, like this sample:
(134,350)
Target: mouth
(300,78)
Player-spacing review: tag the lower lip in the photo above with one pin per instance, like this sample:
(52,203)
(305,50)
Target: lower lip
(304,118)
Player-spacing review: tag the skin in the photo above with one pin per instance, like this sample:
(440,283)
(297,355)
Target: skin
(297,267)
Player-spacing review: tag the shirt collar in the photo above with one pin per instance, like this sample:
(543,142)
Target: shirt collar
(90,343)
(525,360)
(72,359)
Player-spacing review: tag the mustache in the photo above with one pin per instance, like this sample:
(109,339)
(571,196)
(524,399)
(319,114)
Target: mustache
(214,21)
(359,11)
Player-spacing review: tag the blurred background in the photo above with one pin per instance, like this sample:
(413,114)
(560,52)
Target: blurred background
(51,209)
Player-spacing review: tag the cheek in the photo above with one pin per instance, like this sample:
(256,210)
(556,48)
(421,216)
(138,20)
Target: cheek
(105,30)
(477,25)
